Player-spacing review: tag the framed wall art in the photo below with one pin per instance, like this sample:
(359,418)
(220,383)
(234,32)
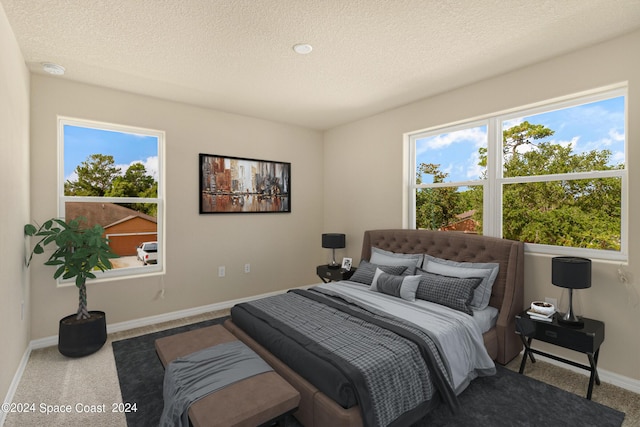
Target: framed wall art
(241,185)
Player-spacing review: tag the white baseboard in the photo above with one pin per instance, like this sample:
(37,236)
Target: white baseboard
(14,383)
(160,318)
(175,315)
(605,376)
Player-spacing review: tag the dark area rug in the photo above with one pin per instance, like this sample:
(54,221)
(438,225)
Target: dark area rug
(505,399)
(511,399)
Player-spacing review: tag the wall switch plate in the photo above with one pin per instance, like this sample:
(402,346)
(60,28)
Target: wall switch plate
(247,268)
(221,271)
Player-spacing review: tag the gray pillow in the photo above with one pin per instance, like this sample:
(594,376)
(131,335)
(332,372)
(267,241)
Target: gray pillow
(366,271)
(487,270)
(398,286)
(382,257)
(452,292)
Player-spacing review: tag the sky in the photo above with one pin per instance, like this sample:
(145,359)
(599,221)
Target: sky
(598,125)
(126,149)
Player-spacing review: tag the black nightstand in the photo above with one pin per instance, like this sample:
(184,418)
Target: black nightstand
(328,274)
(586,340)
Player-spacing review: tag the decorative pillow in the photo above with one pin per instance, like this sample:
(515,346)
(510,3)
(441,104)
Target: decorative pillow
(366,271)
(382,257)
(398,286)
(452,292)
(487,270)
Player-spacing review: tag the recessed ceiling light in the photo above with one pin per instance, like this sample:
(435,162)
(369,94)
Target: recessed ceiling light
(302,48)
(51,68)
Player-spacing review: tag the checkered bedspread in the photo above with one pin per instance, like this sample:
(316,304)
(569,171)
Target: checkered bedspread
(394,367)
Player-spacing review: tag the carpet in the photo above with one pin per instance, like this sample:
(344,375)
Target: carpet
(505,399)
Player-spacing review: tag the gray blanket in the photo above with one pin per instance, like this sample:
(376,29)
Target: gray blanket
(393,375)
(190,378)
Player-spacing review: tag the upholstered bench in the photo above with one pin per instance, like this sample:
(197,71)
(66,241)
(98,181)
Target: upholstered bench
(251,402)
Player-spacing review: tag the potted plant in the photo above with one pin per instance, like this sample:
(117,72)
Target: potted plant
(80,251)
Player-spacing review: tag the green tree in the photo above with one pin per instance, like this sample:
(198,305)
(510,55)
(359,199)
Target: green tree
(435,207)
(579,213)
(95,176)
(136,183)
(98,176)
(524,133)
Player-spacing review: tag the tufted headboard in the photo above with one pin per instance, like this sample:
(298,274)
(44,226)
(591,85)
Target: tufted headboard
(507,294)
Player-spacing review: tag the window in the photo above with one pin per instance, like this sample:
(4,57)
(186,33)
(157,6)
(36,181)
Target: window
(112,175)
(553,176)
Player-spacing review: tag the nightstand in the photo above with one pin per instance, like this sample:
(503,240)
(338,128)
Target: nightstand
(585,340)
(328,274)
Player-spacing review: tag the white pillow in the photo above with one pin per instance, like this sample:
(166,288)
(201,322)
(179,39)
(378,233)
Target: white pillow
(488,271)
(382,257)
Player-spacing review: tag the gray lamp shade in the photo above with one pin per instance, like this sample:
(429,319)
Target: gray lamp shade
(333,240)
(571,272)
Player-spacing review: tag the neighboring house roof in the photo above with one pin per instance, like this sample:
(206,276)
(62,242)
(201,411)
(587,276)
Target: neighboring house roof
(465,223)
(129,218)
(466,215)
(105,214)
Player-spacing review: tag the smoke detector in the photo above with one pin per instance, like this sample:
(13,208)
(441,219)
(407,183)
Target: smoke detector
(51,68)
(302,48)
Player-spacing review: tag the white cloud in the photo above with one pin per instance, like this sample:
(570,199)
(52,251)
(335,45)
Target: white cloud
(150,164)
(573,143)
(477,136)
(506,124)
(617,158)
(72,177)
(474,170)
(616,136)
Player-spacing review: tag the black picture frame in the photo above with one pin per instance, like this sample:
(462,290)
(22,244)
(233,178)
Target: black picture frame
(243,185)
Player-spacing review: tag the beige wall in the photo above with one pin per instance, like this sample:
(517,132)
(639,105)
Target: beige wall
(14,208)
(283,249)
(364,175)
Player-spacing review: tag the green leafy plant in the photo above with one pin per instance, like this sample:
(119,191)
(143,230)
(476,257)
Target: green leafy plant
(80,252)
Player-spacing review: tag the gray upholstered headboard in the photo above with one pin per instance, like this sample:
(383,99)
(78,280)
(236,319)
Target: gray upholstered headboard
(508,290)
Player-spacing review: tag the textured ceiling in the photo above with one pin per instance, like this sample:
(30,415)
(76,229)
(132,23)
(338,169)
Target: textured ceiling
(368,55)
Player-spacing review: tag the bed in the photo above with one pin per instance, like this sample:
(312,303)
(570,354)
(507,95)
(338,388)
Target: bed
(325,400)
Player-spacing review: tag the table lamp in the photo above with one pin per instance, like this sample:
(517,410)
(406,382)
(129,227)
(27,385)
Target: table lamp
(333,241)
(571,273)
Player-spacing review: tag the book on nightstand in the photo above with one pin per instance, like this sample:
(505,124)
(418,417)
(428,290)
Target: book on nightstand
(535,315)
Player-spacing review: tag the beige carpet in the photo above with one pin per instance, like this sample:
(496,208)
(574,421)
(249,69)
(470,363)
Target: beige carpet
(89,387)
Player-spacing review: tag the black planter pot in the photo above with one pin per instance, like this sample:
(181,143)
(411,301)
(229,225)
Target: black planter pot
(77,338)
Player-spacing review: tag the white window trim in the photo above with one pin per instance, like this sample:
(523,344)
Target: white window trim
(492,199)
(124,273)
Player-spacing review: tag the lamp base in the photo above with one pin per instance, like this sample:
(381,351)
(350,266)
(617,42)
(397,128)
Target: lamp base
(333,266)
(574,321)
(570,318)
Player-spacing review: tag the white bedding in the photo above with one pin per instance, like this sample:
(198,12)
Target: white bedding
(459,335)
(485,318)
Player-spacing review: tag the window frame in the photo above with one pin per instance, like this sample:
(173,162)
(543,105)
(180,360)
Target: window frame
(493,185)
(121,273)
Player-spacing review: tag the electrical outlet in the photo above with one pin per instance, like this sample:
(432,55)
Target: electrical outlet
(553,301)
(247,268)
(221,271)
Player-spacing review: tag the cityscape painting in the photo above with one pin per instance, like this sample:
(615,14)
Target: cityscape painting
(240,185)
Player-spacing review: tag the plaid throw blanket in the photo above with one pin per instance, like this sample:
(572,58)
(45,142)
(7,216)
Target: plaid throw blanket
(394,367)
